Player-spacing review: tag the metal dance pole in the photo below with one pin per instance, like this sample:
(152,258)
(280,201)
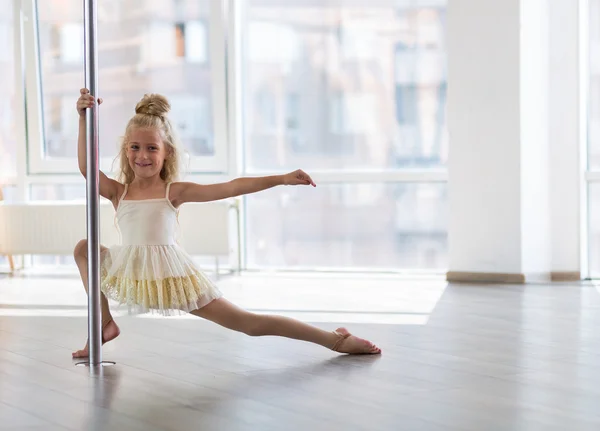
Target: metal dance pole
(93,185)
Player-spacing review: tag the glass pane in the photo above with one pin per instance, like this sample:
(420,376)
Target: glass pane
(352,226)
(345,84)
(160,47)
(594,85)
(57,192)
(8,132)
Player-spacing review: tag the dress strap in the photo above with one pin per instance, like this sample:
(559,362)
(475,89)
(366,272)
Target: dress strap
(124,192)
(168,199)
(167,192)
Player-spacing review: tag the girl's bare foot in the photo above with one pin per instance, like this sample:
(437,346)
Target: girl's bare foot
(348,343)
(109,332)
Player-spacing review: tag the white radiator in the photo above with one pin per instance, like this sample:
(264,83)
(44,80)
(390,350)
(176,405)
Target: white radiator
(51,227)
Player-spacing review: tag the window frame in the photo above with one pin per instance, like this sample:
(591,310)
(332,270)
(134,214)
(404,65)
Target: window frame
(437,174)
(39,164)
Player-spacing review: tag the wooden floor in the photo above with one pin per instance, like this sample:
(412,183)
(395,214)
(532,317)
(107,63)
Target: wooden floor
(454,357)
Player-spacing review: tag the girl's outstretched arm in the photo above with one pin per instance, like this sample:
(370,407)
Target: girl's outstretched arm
(191,192)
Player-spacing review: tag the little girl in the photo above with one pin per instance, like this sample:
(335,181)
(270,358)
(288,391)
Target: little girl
(149,271)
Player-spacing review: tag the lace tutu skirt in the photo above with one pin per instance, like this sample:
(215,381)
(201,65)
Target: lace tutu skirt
(156,278)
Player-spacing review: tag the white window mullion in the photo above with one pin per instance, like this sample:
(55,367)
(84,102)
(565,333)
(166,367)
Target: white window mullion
(19,52)
(217,59)
(31,62)
(234,86)
(234,117)
(584,80)
(374,176)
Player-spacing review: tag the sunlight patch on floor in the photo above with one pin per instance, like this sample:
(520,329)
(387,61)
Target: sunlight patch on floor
(350,298)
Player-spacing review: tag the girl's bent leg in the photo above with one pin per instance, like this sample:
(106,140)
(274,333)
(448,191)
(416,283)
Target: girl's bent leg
(110,330)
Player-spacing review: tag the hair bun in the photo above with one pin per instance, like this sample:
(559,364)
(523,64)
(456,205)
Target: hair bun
(153,104)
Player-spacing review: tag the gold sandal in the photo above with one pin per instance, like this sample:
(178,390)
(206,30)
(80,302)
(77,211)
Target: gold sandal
(340,340)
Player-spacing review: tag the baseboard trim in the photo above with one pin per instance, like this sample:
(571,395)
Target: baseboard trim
(496,277)
(565,276)
(484,277)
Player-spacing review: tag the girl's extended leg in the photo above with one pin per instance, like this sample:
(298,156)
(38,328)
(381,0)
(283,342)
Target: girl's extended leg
(110,330)
(230,316)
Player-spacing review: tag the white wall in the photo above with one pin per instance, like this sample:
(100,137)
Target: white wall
(513,113)
(484,129)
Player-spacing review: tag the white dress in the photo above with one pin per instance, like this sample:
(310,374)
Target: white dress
(149,271)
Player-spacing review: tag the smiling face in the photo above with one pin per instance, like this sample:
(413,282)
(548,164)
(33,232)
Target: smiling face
(146,152)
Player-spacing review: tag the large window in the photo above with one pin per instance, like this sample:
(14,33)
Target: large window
(143,46)
(8,102)
(350,89)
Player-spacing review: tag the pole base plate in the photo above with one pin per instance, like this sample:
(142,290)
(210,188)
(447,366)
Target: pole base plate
(102,364)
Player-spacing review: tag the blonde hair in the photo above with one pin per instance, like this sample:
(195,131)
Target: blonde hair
(151,113)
